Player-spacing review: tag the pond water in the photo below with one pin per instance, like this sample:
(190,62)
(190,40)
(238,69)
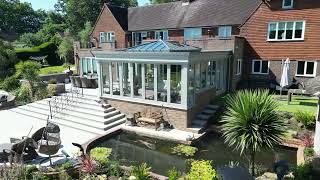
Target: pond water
(131,149)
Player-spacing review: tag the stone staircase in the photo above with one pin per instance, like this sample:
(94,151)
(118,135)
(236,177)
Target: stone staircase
(201,121)
(84,113)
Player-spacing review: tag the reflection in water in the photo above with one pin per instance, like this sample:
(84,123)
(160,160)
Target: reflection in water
(133,149)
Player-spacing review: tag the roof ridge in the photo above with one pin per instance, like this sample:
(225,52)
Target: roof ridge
(153,5)
(108,4)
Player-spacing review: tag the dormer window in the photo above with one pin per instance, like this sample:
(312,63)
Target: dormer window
(287,4)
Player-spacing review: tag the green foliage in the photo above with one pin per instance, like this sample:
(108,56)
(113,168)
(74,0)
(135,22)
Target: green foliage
(182,149)
(29,171)
(65,166)
(47,49)
(101,154)
(7,56)
(113,169)
(24,95)
(40,91)
(52,69)
(29,70)
(173,174)
(10,83)
(251,122)
(202,170)
(19,17)
(308,152)
(141,172)
(85,35)
(52,81)
(306,118)
(161,1)
(303,172)
(65,49)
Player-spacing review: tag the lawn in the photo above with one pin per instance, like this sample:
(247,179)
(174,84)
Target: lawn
(298,103)
(53,69)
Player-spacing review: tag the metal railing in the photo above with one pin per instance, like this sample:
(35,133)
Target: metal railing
(59,103)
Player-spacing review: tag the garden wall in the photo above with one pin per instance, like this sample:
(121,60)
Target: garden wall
(60,77)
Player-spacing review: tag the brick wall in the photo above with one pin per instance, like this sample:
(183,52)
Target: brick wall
(107,23)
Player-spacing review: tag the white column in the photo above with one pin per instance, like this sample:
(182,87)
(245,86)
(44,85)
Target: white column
(121,78)
(131,78)
(110,77)
(168,83)
(184,85)
(317,132)
(155,82)
(143,81)
(100,79)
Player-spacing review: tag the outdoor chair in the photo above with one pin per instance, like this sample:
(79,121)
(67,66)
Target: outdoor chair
(78,81)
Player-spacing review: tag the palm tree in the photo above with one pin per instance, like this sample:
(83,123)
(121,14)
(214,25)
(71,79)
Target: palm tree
(251,123)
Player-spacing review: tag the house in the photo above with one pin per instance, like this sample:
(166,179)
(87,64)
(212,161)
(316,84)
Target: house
(277,30)
(175,56)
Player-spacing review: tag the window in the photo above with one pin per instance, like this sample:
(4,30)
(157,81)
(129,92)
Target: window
(192,33)
(107,37)
(260,67)
(306,68)
(239,66)
(225,31)
(287,4)
(286,31)
(89,66)
(162,35)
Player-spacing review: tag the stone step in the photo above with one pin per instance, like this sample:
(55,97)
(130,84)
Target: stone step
(213,107)
(196,129)
(77,100)
(203,117)
(198,122)
(74,104)
(114,118)
(209,112)
(115,123)
(58,121)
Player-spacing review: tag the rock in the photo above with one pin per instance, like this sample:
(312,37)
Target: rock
(300,125)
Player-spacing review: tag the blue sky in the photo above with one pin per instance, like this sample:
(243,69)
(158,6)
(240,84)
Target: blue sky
(49,4)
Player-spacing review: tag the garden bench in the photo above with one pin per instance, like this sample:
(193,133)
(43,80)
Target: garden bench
(155,119)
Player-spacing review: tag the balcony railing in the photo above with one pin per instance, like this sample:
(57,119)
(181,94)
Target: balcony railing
(217,44)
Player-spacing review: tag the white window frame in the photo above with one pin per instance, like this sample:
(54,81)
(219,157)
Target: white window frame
(192,29)
(239,67)
(222,31)
(260,72)
(157,34)
(293,31)
(305,69)
(287,7)
(106,37)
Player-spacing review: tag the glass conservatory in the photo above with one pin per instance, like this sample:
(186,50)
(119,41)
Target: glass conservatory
(161,73)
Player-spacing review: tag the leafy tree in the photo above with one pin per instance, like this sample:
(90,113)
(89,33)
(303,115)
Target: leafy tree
(65,49)
(29,70)
(7,56)
(252,123)
(78,12)
(85,35)
(202,170)
(19,17)
(161,1)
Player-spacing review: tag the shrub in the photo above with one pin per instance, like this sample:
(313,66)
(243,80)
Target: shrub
(307,139)
(173,174)
(185,150)
(303,172)
(52,90)
(65,166)
(40,91)
(24,95)
(202,170)
(308,152)
(141,172)
(10,83)
(52,81)
(306,118)
(101,154)
(29,171)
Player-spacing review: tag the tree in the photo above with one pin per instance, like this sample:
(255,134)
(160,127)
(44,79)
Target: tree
(251,123)
(19,17)
(85,35)
(161,1)
(7,56)
(78,12)
(65,49)
(29,70)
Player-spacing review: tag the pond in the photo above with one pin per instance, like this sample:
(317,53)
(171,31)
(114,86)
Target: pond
(131,149)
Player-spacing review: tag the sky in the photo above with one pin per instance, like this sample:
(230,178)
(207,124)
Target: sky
(49,4)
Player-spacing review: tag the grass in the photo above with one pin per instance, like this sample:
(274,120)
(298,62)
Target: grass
(302,103)
(53,69)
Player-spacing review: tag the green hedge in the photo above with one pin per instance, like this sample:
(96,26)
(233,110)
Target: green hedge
(48,49)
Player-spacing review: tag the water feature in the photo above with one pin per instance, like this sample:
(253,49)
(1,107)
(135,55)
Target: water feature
(133,149)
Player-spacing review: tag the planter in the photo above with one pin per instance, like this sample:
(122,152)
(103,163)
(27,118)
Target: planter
(59,88)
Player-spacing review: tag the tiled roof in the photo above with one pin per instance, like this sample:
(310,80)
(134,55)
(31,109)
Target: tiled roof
(199,13)
(161,46)
(121,15)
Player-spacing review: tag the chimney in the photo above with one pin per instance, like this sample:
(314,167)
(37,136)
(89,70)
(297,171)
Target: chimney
(186,2)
